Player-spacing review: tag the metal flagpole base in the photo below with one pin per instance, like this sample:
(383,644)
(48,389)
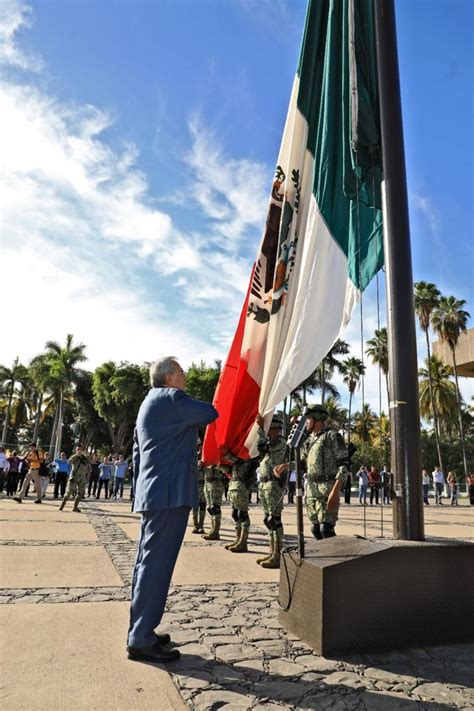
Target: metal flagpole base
(361,595)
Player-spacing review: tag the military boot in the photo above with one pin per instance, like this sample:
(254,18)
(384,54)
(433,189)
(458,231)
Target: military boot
(274,561)
(202,516)
(241,546)
(230,545)
(195,522)
(269,555)
(213,534)
(76,504)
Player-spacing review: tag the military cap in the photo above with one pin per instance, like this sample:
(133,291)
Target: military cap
(317,412)
(276,422)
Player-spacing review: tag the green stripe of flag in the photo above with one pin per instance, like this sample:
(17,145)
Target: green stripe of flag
(339,100)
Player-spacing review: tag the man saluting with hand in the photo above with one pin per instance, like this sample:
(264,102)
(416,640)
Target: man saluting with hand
(166,488)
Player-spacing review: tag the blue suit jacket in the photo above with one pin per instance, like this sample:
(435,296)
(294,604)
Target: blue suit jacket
(164,450)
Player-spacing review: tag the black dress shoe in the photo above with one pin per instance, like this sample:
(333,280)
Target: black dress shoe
(163,638)
(158,653)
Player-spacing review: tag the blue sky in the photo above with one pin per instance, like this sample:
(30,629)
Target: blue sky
(139,141)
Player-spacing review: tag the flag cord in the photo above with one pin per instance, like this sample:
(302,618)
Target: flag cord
(361,311)
(382,487)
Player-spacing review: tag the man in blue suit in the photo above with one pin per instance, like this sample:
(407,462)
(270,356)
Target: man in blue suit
(166,488)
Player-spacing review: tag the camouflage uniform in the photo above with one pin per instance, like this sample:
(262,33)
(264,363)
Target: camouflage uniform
(214,492)
(199,514)
(271,491)
(76,485)
(325,456)
(242,481)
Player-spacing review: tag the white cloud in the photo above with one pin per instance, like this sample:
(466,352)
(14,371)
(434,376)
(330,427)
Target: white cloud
(424,205)
(79,224)
(14,16)
(50,298)
(233,193)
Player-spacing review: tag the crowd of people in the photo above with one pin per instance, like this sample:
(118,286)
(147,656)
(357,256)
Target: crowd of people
(18,471)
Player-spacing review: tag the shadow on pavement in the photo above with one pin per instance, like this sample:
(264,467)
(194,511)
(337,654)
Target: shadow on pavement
(196,675)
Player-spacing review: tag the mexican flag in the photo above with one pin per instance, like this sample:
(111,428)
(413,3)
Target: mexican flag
(322,243)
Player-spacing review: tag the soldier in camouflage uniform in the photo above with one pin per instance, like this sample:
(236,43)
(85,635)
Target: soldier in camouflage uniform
(243,479)
(76,486)
(199,514)
(272,488)
(214,492)
(325,457)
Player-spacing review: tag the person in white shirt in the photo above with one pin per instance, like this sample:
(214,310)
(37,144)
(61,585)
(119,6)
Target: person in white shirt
(363,481)
(438,481)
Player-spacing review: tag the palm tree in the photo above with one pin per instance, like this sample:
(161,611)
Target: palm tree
(63,369)
(320,379)
(9,377)
(437,387)
(364,422)
(352,369)
(380,436)
(378,351)
(328,365)
(426,299)
(41,376)
(448,320)
(337,415)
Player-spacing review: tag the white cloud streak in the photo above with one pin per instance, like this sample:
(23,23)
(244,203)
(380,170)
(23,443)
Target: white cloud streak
(15,16)
(78,217)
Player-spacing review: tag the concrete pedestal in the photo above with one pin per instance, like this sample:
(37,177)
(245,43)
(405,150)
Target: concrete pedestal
(361,595)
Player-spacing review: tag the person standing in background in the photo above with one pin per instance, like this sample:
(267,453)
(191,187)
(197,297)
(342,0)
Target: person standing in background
(62,468)
(121,467)
(425,481)
(438,481)
(33,457)
(14,463)
(363,481)
(453,487)
(93,476)
(3,468)
(105,476)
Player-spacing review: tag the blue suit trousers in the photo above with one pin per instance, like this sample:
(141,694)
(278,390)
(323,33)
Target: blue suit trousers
(162,534)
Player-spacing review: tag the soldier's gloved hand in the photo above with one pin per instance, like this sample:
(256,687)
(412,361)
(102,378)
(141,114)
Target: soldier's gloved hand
(259,420)
(279,469)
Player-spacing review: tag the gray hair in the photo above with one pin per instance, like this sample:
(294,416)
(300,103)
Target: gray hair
(160,370)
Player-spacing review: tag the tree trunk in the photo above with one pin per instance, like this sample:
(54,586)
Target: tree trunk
(323,382)
(53,432)
(88,439)
(461,427)
(111,433)
(120,436)
(39,404)
(349,418)
(59,433)
(433,406)
(7,415)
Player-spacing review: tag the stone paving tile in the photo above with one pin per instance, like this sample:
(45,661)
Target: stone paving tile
(237,656)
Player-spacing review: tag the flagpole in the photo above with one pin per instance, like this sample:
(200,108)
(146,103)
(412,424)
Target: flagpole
(408,521)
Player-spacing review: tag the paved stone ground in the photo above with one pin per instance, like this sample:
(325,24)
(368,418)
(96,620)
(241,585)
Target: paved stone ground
(235,653)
